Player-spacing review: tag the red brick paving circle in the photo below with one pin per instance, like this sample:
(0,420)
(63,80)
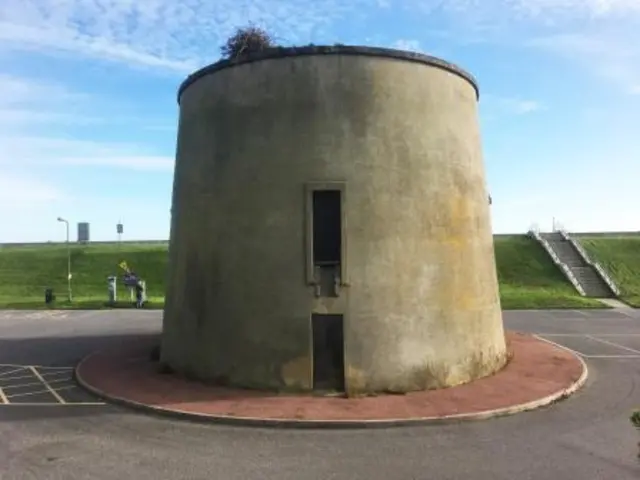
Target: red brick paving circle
(537,370)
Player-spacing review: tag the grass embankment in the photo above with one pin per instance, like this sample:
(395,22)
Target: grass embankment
(528,278)
(620,258)
(25,272)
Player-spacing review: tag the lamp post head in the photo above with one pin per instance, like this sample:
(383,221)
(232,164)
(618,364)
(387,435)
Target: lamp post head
(60,219)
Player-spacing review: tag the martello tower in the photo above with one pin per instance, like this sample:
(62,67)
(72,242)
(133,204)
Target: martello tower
(330,225)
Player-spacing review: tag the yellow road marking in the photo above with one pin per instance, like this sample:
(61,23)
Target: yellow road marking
(8,379)
(12,371)
(37,366)
(48,375)
(44,382)
(42,367)
(49,390)
(48,372)
(37,383)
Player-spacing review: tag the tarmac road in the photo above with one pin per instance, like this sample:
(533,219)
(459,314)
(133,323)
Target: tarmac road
(586,437)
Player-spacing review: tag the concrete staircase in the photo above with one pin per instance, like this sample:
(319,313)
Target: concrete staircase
(585,273)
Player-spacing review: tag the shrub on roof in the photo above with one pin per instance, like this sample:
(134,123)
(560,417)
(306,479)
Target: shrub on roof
(247,40)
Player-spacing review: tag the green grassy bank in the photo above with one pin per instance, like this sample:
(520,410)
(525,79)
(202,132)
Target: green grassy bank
(620,257)
(528,278)
(25,272)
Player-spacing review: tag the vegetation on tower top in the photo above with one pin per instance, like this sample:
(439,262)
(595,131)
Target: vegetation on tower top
(247,41)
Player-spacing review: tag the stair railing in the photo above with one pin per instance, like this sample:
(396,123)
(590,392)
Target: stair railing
(559,263)
(583,254)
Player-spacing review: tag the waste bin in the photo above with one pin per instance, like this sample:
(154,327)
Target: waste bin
(141,293)
(143,283)
(111,287)
(48,296)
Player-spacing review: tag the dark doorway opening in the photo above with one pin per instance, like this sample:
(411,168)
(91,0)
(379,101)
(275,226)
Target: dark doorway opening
(328,352)
(327,227)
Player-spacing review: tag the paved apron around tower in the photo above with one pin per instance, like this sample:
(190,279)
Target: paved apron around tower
(587,436)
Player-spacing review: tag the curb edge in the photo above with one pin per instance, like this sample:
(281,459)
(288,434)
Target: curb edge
(336,424)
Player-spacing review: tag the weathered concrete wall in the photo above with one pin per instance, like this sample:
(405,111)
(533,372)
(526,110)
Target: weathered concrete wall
(422,307)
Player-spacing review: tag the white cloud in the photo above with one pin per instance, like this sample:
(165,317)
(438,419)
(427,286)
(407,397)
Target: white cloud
(28,106)
(66,40)
(613,56)
(521,107)
(59,152)
(179,36)
(530,8)
(160,33)
(21,190)
(406,44)
(10,118)
(413,45)
(498,105)
(24,101)
(28,207)
(132,162)
(16,90)
(592,7)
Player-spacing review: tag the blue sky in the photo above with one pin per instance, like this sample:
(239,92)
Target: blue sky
(88,113)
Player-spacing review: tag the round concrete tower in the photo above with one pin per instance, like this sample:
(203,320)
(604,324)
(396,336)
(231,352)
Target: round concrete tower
(330,226)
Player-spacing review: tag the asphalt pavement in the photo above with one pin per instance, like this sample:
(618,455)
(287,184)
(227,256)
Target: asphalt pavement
(50,429)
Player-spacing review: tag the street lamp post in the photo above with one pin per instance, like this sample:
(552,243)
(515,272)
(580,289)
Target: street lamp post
(66,222)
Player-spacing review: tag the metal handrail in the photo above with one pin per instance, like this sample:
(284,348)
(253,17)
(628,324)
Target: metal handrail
(583,254)
(563,266)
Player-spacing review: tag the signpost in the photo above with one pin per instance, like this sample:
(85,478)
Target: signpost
(69,295)
(83,232)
